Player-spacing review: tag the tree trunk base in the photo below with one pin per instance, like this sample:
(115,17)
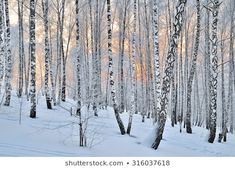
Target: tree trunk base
(211,138)
(32,114)
(119,121)
(143,119)
(48,101)
(225,138)
(157,142)
(220,138)
(189,129)
(128,131)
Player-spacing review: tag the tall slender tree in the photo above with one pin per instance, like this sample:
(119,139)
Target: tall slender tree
(32,59)
(95,64)
(47,52)
(150,95)
(122,39)
(142,100)
(111,75)
(133,71)
(223,134)
(21,48)
(8,58)
(192,71)
(2,43)
(231,67)
(214,73)
(156,58)
(168,71)
(78,71)
(207,64)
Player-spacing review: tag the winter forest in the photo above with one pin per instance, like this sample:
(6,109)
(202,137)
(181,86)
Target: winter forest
(117,78)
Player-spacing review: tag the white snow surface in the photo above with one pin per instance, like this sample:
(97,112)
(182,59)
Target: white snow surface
(54,133)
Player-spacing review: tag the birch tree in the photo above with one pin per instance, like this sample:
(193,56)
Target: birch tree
(78,71)
(192,71)
(122,39)
(32,59)
(47,52)
(214,73)
(8,58)
(95,64)
(142,100)
(2,43)
(156,59)
(149,84)
(21,48)
(223,134)
(168,72)
(63,78)
(133,72)
(207,64)
(111,78)
(181,116)
(230,107)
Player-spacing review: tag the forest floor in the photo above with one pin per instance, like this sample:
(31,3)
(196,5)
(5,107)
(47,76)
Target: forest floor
(55,133)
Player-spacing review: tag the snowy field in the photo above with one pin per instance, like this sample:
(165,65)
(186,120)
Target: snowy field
(54,133)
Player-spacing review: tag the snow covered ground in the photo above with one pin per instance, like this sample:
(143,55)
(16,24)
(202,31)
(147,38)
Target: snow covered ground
(55,133)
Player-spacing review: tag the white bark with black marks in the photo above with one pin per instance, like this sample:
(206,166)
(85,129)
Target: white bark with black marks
(133,71)
(207,64)
(8,58)
(111,78)
(21,48)
(192,71)
(47,52)
(230,106)
(156,59)
(33,59)
(214,73)
(2,43)
(168,72)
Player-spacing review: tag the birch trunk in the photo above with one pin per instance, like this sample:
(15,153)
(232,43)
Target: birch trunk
(8,61)
(156,60)
(111,78)
(192,72)
(32,59)
(133,71)
(214,73)
(2,43)
(47,53)
(168,72)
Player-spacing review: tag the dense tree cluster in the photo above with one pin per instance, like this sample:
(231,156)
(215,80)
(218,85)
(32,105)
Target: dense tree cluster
(145,57)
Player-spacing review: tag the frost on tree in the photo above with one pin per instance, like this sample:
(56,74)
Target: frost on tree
(150,97)
(95,65)
(192,71)
(141,58)
(78,73)
(133,60)
(2,43)
(207,63)
(232,68)
(178,21)
(8,60)
(32,59)
(21,48)
(223,134)
(214,73)
(47,52)
(122,39)
(111,78)
(156,59)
